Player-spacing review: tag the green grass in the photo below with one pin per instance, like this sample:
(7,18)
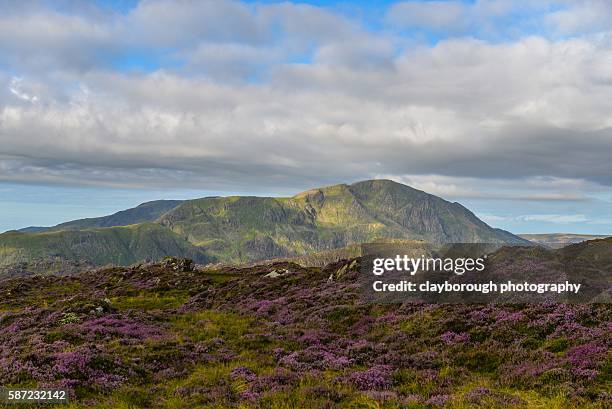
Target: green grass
(147,301)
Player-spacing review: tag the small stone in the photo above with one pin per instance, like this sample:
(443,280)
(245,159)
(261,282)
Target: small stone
(273,274)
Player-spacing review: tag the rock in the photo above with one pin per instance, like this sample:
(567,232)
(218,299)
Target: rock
(273,274)
(277,273)
(179,265)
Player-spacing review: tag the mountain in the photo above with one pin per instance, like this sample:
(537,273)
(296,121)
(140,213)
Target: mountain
(146,212)
(248,228)
(558,240)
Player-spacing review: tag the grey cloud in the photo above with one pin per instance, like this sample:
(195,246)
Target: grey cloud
(35,38)
(530,189)
(362,52)
(230,62)
(41,40)
(464,108)
(169,23)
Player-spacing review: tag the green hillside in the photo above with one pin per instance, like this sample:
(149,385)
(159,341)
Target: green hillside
(248,228)
(117,245)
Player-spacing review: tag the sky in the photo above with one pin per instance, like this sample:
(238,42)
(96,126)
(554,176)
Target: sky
(504,106)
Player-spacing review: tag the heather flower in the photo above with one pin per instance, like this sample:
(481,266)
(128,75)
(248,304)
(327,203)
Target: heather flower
(390,318)
(280,379)
(115,326)
(584,359)
(225,355)
(306,330)
(314,357)
(479,316)
(583,356)
(278,353)
(375,378)
(106,381)
(249,395)
(437,401)
(71,363)
(453,338)
(588,374)
(511,317)
(477,394)
(244,373)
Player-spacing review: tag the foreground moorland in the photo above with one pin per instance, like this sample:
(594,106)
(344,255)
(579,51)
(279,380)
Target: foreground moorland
(284,336)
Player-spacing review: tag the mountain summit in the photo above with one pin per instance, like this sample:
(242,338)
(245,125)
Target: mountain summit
(249,228)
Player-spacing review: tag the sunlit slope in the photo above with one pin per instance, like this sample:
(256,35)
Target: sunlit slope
(247,228)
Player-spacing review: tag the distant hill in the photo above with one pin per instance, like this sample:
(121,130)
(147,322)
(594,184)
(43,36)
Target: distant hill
(146,212)
(558,240)
(242,229)
(123,245)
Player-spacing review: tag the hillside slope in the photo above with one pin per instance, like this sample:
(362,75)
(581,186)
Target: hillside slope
(249,228)
(152,337)
(558,240)
(117,245)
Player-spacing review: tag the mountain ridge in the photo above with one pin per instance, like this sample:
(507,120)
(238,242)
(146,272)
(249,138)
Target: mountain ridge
(249,228)
(144,212)
(326,218)
(558,240)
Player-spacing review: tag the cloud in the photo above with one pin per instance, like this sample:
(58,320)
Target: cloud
(292,95)
(543,218)
(554,218)
(169,23)
(435,14)
(581,15)
(39,39)
(498,19)
(16,89)
(532,189)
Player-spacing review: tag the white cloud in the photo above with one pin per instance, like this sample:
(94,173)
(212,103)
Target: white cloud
(581,15)
(554,218)
(16,89)
(541,218)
